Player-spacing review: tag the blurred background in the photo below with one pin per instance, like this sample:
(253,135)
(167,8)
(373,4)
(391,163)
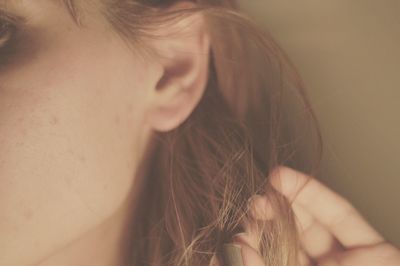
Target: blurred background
(348,53)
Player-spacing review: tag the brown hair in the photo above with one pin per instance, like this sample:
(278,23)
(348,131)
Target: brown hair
(207,168)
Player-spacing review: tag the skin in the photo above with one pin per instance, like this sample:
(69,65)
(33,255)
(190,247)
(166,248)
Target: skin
(77,109)
(332,231)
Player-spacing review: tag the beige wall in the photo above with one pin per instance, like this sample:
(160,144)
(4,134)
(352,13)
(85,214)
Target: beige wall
(348,52)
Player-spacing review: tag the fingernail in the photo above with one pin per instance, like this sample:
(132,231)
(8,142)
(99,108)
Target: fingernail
(233,255)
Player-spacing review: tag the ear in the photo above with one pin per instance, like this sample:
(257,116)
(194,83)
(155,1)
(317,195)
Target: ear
(183,54)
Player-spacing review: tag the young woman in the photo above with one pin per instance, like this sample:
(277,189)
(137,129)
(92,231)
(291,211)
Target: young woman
(145,132)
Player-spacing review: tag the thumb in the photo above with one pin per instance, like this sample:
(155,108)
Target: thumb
(250,256)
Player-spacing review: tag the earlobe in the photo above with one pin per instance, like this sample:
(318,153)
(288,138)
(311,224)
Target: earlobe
(170,107)
(184,59)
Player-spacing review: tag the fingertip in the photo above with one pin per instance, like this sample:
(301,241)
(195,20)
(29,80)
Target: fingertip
(250,256)
(288,181)
(261,208)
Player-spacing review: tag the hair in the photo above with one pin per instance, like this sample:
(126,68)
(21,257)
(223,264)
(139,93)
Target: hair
(208,167)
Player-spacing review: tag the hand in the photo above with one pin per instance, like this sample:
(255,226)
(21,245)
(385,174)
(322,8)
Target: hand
(332,231)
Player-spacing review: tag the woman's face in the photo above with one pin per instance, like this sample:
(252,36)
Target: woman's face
(71,106)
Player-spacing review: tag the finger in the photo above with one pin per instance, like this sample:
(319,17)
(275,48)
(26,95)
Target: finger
(326,206)
(316,240)
(304,259)
(261,209)
(251,256)
(380,254)
(215,261)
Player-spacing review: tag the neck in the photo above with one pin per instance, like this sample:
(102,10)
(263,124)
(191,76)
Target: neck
(108,244)
(105,245)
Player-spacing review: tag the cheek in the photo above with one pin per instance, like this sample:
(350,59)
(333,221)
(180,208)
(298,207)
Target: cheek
(67,147)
